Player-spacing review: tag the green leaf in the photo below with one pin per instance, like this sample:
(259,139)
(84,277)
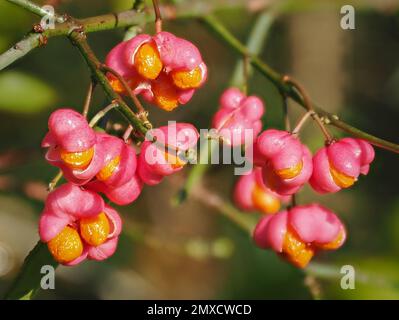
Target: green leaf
(27,283)
(23,93)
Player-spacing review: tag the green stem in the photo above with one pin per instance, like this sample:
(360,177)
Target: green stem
(334,120)
(36,9)
(78,38)
(277,79)
(193,9)
(76,31)
(27,282)
(100,114)
(333,272)
(92,24)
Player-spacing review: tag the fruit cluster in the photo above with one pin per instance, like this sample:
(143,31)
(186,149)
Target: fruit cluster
(282,166)
(75,223)
(165,69)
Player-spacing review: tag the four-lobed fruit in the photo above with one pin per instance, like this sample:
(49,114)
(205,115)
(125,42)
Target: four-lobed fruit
(298,233)
(238,119)
(166,70)
(76,224)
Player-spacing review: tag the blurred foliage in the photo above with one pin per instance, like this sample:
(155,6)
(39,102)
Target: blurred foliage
(23,93)
(191,252)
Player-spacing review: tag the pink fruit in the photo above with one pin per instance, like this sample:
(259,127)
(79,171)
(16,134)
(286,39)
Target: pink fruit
(299,233)
(237,115)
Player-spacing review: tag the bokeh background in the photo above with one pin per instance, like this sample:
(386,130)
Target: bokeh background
(191,251)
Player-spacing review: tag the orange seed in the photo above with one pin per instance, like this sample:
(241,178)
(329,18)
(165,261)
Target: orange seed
(147,61)
(165,94)
(334,244)
(296,251)
(341,179)
(95,230)
(107,171)
(77,160)
(187,79)
(66,246)
(290,173)
(265,201)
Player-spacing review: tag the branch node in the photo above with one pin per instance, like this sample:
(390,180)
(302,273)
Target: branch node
(307,102)
(42,40)
(66,17)
(79,30)
(143,116)
(37,28)
(325,120)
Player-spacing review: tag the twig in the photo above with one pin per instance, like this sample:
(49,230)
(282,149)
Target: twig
(127,133)
(78,38)
(301,122)
(245,72)
(187,10)
(99,115)
(126,86)
(54,181)
(277,79)
(313,285)
(308,105)
(93,24)
(88,99)
(287,123)
(36,9)
(158,16)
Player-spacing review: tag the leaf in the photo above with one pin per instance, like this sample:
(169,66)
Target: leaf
(23,93)
(27,283)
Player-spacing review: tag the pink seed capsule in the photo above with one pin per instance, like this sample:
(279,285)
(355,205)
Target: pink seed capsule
(165,69)
(286,163)
(73,146)
(77,225)
(165,157)
(339,165)
(237,115)
(299,233)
